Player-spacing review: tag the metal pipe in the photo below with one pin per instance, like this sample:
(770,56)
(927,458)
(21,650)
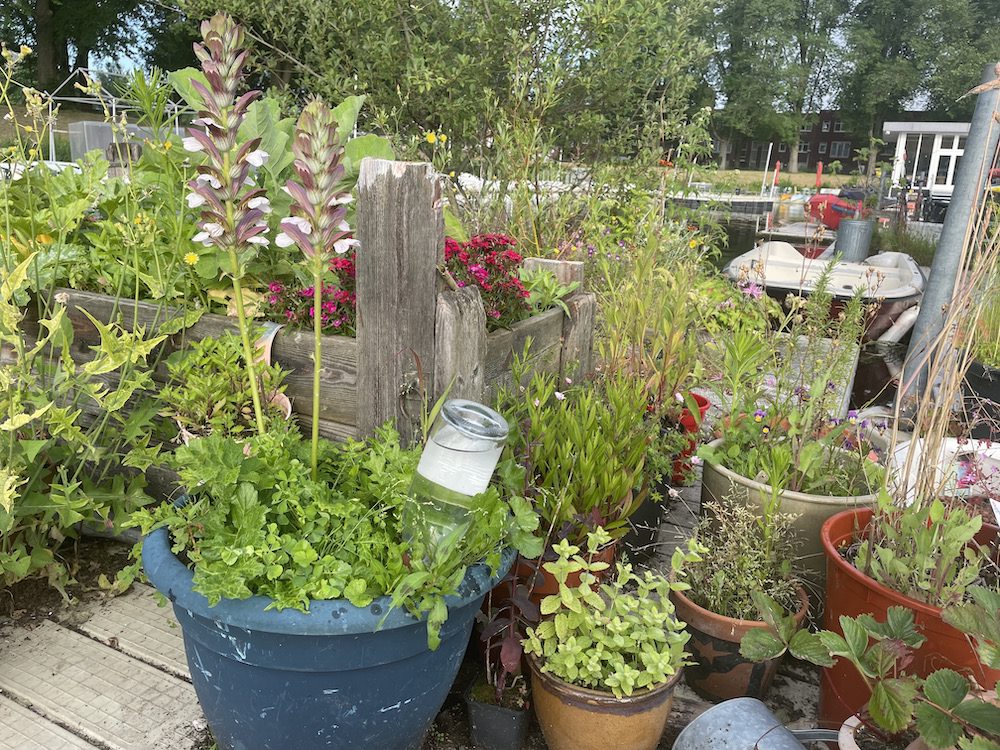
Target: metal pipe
(980,152)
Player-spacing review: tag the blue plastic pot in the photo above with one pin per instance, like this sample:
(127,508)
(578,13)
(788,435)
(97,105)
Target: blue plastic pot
(329,678)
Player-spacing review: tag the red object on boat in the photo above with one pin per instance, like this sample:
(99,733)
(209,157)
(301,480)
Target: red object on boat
(830,209)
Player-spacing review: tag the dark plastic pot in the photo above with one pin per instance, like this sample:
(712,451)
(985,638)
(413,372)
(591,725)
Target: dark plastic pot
(494,727)
(850,592)
(639,543)
(719,671)
(327,678)
(982,383)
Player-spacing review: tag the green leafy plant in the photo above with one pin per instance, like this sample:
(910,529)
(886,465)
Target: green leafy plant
(208,391)
(257,523)
(617,637)
(545,290)
(577,454)
(741,560)
(946,708)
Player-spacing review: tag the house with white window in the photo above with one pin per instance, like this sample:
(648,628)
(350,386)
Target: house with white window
(926,155)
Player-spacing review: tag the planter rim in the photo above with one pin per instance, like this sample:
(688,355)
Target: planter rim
(467,695)
(737,624)
(174,579)
(600,698)
(862,517)
(792,494)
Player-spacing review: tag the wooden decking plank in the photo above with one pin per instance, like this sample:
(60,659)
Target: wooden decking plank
(135,624)
(23,729)
(98,692)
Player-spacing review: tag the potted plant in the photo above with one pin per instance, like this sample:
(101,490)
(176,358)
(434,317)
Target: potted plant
(605,665)
(740,560)
(309,613)
(907,711)
(578,456)
(785,445)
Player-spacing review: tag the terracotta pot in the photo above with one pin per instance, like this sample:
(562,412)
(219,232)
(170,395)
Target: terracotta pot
(689,424)
(720,672)
(576,718)
(720,485)
(850,592)
(546,583)
(846,741)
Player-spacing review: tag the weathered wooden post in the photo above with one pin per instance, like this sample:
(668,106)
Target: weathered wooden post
(577,356)
(401,229)
(460,333)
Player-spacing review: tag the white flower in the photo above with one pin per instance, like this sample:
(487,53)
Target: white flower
(678,398)
(259,240)
(260,202)
(62,298)
(696,460)
(210,179)
(204,121)
(297,221)
(195,199)
(341,200)
(283,240)
(342,246)
(672,493)
(192,144)
(343,227)
(257,158)
(203,238)
(214,229)
(560,396)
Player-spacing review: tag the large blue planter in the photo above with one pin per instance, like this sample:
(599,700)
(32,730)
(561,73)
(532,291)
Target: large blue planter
(329,678)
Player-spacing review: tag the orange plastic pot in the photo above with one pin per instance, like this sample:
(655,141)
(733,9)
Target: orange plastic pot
(719,671)
(577,718)
(690,425)
(850,592)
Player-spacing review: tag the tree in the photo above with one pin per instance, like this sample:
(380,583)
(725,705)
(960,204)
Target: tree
(969,27)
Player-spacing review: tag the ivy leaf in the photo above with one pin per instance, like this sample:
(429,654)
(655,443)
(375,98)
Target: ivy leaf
(946,688)
(760,644)
(891,704)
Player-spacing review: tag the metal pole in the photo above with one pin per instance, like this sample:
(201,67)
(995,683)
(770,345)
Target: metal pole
(980,152)
(767,165)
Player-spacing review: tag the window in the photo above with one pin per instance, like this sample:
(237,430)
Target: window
(803,148)
(838,126)
(826,126)
(782,148)
(840,149)
(807,127)
(822,148)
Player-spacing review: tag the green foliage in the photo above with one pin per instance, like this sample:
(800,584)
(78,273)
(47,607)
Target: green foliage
(545,289)
(585,448)
(60,466)
(741,561)
(946,708)
(208,391)
(256,523)
(618,637)
(782,633)
(924,551)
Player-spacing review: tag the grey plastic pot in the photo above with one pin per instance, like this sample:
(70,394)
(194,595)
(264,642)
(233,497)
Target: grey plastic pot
(745,724)
(720,485)
(334,677)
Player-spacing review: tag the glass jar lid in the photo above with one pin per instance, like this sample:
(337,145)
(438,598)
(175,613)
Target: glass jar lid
(474,419)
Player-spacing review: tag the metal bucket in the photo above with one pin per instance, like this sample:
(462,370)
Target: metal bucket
(854,238)
(744,724)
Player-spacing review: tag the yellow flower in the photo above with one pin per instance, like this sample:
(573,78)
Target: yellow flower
(191,258)
(43,239)
(167,145)
(25,50)
(431,137)
(451,173)
(693,244)
(443,138)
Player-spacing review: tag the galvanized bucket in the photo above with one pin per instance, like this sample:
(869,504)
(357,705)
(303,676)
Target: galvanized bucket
(745,724)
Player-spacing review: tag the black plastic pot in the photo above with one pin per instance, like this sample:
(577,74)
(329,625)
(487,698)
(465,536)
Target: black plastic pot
(338,676)
(639,543)
(982,383)
(494,727)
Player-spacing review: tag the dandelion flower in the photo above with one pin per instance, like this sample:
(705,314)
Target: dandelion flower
(443,138)
(693,244)
(431,138)
(191,258)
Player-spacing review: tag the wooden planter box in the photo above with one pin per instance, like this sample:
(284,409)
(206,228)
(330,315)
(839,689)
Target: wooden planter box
(415,335)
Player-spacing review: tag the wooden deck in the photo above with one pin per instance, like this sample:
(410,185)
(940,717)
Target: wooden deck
(110,674)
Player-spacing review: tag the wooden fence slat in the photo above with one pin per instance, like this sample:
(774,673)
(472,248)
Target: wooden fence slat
(401,230)
(566,271)
(460,340)
(577,357)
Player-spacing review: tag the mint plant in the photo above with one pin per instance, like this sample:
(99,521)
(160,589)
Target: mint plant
(617,637)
